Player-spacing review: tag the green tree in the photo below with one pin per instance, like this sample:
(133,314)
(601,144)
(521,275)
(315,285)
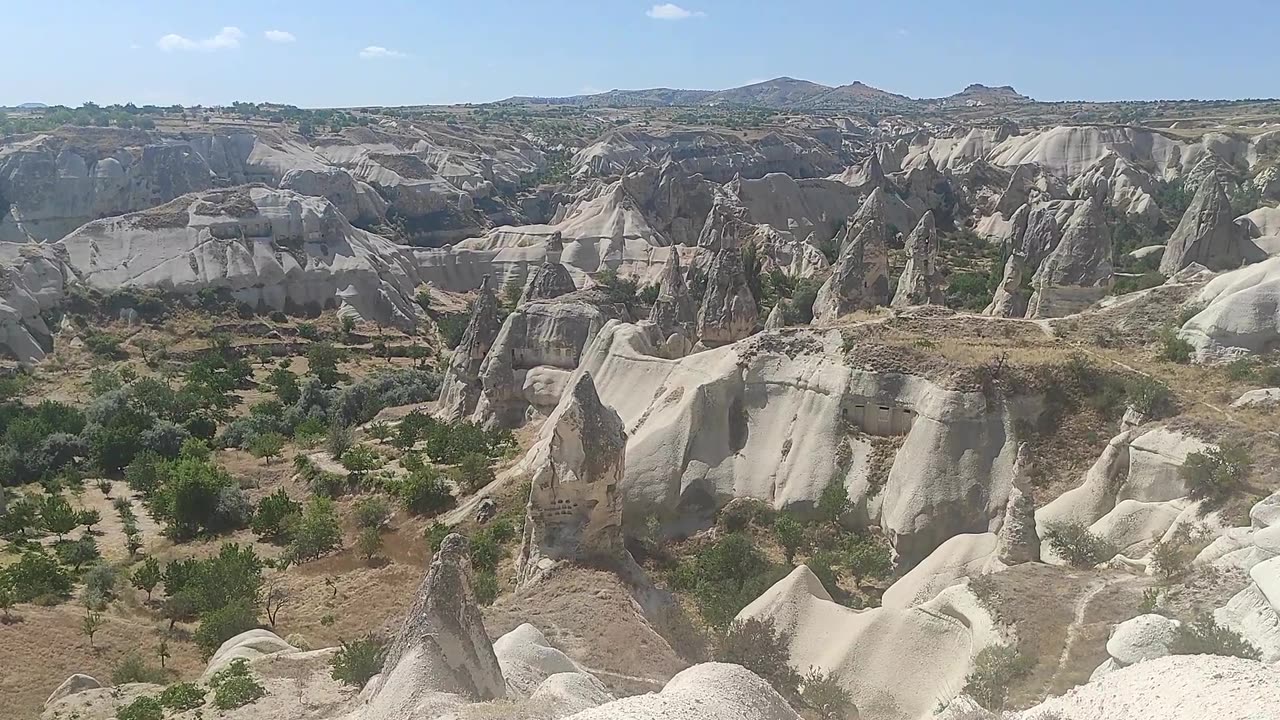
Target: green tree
(1215,474)
(322,360)
(317,531)
(92,622)
(88,518)
(267,445)
(833,501)
(220,625)
(147,576)
(57,517)
(424,492)
(360,461)
(790,534)
(358,661)
(761,648)
(276,515)
(474,472)
(285,385)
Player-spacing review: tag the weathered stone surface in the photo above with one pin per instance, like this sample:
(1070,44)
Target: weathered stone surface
(674,310)
(1208,234)
(442,646)
(541,335)
(33,279)
(550,279)
(575,467)
(359,202)
(1078,272)
(1017,541)
(920,283)
(728,312)
(72,685)
(860,277)
(1010,299)
(777,319)
(460,387)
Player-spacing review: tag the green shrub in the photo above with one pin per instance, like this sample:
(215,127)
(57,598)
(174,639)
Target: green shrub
(221,624)
(826,696)
(867,558)
(1174,348)
(317,532)
(1073,542)
(142,708)
(267,445)
(146,576)
(133,669)
(356,662)
(1149,397)
(435,534)
(183,696)
(790,534)
(199,498)
(369,542)
(994,670)
(35,575)
(761,648)
(833,502)
(99,586)
(1205,636)
(740,513)
(371,512)
(474,472)
(485,586)
(1214,475)
(725,577)
(424,492)
(234,686)
(276,515)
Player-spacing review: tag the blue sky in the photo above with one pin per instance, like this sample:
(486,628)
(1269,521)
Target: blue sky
(396,52)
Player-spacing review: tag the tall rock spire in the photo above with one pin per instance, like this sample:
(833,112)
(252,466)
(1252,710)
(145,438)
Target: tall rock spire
(551,279)
(1078,272)
(1010,299)
(860,277)
(728,313)
(460,388)
(920,283)
(1208,233)
(673,311)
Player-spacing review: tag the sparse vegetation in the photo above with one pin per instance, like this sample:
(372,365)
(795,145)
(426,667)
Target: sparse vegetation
(764,650)
(1204,636)
(235,686)
(1073,542)
(1216,474)
(995,668)
(357,661)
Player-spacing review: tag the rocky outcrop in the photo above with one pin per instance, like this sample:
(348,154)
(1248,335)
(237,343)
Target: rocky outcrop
(701,433)
(359,202)
(860,277)
(72,685)
(777,318)
(1145,637)
(539,344)
(1017,541)
(1029,183)
(728,312)
(920,283)
(273,249)
(575,468)
(673,311)
(441,654)
(460,387)
(1077,273)
(1240,315)
(1010,299)
(550,279)
(1208,234)
(33,279)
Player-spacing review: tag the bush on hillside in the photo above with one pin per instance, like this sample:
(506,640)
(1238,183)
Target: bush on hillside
(1214,475)
(1073,542)
(994,670)
(763,649)
(357,661)
(1205,636)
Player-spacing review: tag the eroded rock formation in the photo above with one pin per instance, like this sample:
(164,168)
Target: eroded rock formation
(1077,272)
(460,387)
(860,277)
(575,469)
(728,312)
(550,279)
(1010,299)
(1208,234)
(920,283)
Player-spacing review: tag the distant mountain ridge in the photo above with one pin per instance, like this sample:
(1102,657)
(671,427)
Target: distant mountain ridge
(784,93)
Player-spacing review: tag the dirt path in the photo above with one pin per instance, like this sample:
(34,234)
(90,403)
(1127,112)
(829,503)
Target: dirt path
(1078,621)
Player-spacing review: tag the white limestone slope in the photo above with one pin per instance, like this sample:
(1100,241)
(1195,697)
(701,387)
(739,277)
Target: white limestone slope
(774,417)
(898,663)
(279,250)
(1241,313)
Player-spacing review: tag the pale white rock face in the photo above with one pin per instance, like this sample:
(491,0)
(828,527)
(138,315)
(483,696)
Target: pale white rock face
(959,557)
(33,280)
(897,663)
(1241,313)
(75,684)
(1145,637)
(1128,189)
(860,277)
(710,691)
(1255,611)
(544,333)
(356,200)
(527,660)
(574,511)
(1208,234)
(811,208)
(1010,299)
(1132,494)
(460,387)
(920,283)
(249,645)
(441,655)
(767,418)
(277,250)
(1069,151)
(1077,272)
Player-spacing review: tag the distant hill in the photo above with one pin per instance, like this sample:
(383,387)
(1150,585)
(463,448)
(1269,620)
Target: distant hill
(783,93)
(32,106)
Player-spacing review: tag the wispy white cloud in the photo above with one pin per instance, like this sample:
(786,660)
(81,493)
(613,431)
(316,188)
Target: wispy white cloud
(227,39)
(376,52)
(671,11)
(279,36)
(903,32)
